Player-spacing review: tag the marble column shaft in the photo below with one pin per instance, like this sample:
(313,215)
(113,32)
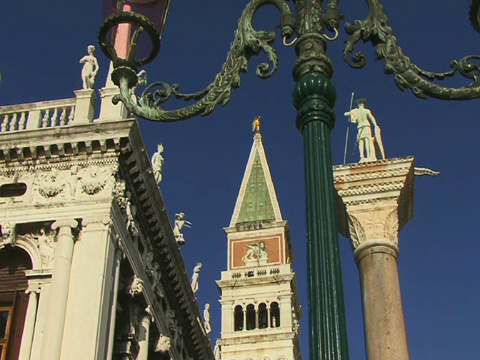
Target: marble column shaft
(28,331)
(54,327)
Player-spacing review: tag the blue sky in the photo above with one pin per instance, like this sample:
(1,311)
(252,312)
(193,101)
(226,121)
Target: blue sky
(206,157)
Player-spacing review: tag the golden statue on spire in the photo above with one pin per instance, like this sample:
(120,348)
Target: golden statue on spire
(256,124)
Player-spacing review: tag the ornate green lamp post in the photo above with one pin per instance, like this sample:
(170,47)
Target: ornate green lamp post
(309,27)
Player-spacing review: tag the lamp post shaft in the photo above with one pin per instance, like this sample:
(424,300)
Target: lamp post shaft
(314,97)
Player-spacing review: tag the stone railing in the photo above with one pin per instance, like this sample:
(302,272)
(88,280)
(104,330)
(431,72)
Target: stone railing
(257,272)
(48,114)
(37,115)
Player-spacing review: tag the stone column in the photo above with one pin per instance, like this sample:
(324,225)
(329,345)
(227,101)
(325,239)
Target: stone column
(55,322)
(113,306)
(29,327)
(375,203)
(144,334)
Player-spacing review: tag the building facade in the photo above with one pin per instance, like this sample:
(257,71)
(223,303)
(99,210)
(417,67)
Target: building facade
(89,265)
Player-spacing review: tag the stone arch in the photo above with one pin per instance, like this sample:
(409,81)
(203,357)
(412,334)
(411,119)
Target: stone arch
(238,320)
(251,317)
(31,248)
(274,315)
(262,316)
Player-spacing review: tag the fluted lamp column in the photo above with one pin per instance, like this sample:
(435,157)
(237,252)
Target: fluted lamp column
(375,203)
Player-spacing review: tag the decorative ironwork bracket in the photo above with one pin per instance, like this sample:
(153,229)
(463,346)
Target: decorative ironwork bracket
(247,42)
(376,29)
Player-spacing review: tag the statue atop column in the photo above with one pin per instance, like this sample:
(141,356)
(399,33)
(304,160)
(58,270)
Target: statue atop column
(90,68)
(367,143)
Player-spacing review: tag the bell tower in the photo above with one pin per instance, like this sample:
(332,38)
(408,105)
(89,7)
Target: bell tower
(259,297)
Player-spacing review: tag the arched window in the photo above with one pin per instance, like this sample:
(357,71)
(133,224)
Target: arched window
(238,318)
(262,316)
(274,315)
(13,300)
(251,317)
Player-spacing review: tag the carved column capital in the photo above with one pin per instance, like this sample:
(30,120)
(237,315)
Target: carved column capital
(33,289)
(373,225)
(96,223)
(375,200)
(65,223)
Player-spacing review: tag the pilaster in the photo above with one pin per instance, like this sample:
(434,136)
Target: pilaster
(375,203)
(89,297)
(108,110)
(144,334)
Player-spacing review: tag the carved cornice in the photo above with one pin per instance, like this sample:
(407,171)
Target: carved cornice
(370,189)
(17,148)
(151,217)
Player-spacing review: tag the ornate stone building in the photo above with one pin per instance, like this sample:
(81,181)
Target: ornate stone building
(259,298)
(89,265)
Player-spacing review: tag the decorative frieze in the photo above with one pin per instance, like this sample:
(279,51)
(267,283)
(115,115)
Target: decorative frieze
(75,182)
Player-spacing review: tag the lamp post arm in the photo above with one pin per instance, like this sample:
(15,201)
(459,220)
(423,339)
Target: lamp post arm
(376,29)
(247,42)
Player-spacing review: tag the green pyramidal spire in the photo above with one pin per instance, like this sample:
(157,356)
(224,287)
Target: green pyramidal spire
(257,200)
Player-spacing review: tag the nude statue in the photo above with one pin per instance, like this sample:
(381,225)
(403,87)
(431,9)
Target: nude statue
(195,277)
(157,163)
(90,68)
(217,351)
(365,140)
(206,319)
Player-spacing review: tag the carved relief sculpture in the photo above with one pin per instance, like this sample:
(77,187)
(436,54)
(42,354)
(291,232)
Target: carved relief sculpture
(163,344)
(50,184)
(8,234)
(46,246)
(256,254)
(135,287)
(72,184)
(94,179)
(119,193)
